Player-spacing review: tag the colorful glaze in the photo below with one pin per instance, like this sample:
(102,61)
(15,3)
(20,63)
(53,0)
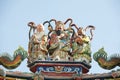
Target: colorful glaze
(11,63)
(62,43)
(67,50)
(104,61)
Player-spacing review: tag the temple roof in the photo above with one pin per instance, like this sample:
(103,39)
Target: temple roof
(26,75)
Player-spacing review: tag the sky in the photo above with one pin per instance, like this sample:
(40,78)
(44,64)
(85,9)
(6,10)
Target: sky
(103,14)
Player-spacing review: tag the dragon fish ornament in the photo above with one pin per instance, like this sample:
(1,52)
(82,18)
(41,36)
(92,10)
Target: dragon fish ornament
(106,62)
(10,62)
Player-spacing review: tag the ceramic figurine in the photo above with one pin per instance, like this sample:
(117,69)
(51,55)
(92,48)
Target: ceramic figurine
(58,43)
(81,49)
(38,44)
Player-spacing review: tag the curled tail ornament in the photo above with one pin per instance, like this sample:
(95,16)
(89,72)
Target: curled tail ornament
(13,62)
(106,62)
(32,26)
(91,29)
